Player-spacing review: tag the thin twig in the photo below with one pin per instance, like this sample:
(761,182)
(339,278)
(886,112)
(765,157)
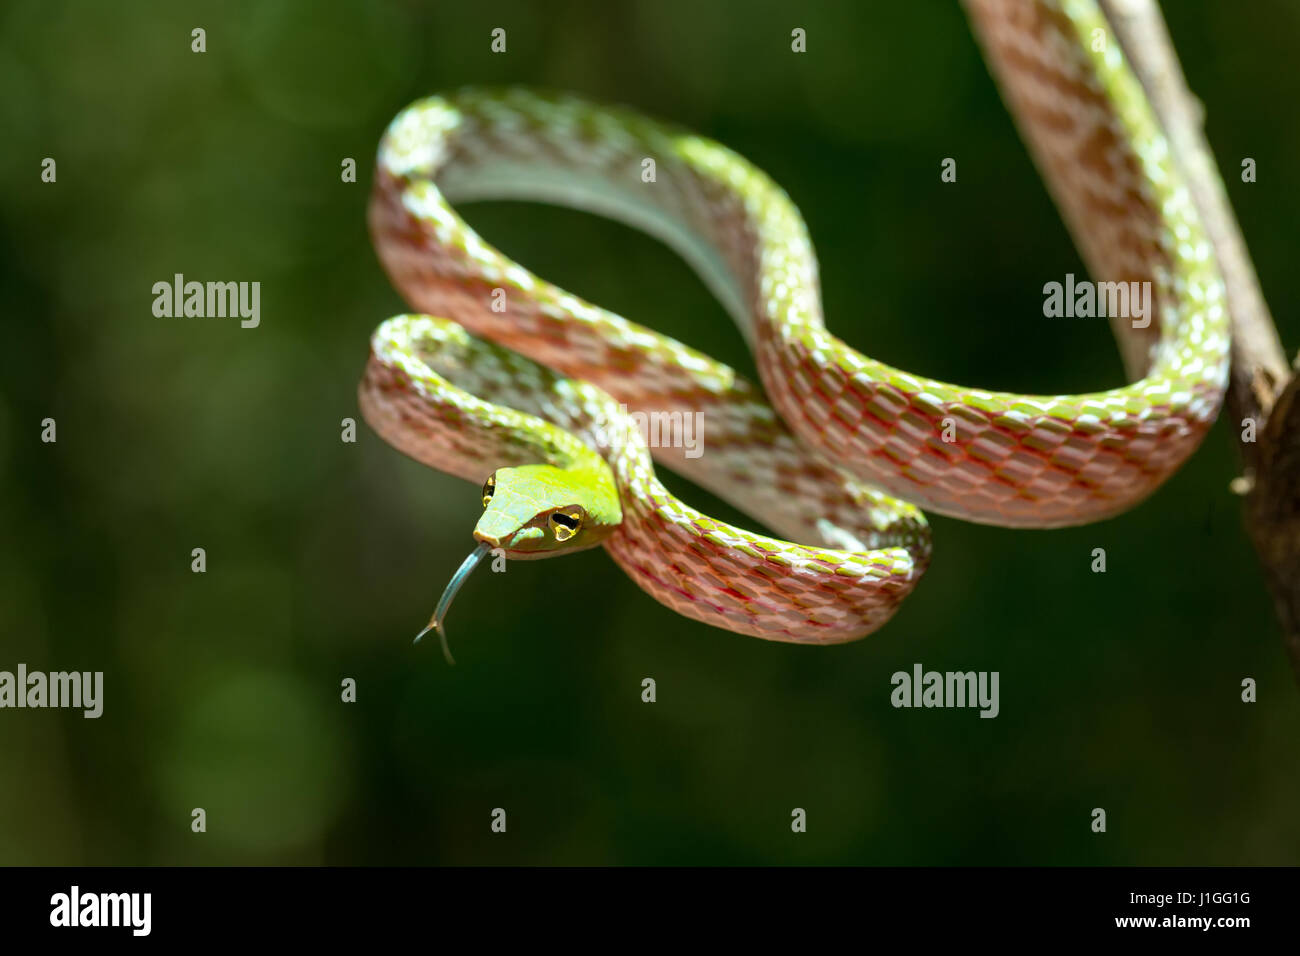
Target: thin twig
(1262,386)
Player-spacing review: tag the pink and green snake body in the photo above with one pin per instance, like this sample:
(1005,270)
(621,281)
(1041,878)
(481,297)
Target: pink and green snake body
(520,387)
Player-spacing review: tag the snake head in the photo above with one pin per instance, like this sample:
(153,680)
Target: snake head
(535,511)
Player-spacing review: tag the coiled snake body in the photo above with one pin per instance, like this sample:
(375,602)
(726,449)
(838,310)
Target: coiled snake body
(847,442)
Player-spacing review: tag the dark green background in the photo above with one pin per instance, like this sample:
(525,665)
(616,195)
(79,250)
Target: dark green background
(1119,690)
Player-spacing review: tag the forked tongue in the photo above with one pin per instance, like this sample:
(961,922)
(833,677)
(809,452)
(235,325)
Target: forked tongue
(448,595)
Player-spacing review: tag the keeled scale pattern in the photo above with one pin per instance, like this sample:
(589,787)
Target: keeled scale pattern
(1019,460)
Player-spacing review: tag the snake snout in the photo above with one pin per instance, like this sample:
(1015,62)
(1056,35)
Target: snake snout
(492,541)
(511,541)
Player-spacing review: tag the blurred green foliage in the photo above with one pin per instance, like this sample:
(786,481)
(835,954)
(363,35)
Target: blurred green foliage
(222,690)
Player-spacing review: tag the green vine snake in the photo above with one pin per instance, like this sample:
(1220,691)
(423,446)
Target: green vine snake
(523,388)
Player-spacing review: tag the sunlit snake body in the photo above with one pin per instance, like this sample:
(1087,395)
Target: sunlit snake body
(847,424)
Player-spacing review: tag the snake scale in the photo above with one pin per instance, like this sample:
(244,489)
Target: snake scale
(508,380)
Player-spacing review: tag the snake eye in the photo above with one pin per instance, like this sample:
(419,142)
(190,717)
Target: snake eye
(489,487)
(565,526)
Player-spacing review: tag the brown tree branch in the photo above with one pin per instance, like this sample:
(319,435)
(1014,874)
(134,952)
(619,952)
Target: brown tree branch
(1262,386)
